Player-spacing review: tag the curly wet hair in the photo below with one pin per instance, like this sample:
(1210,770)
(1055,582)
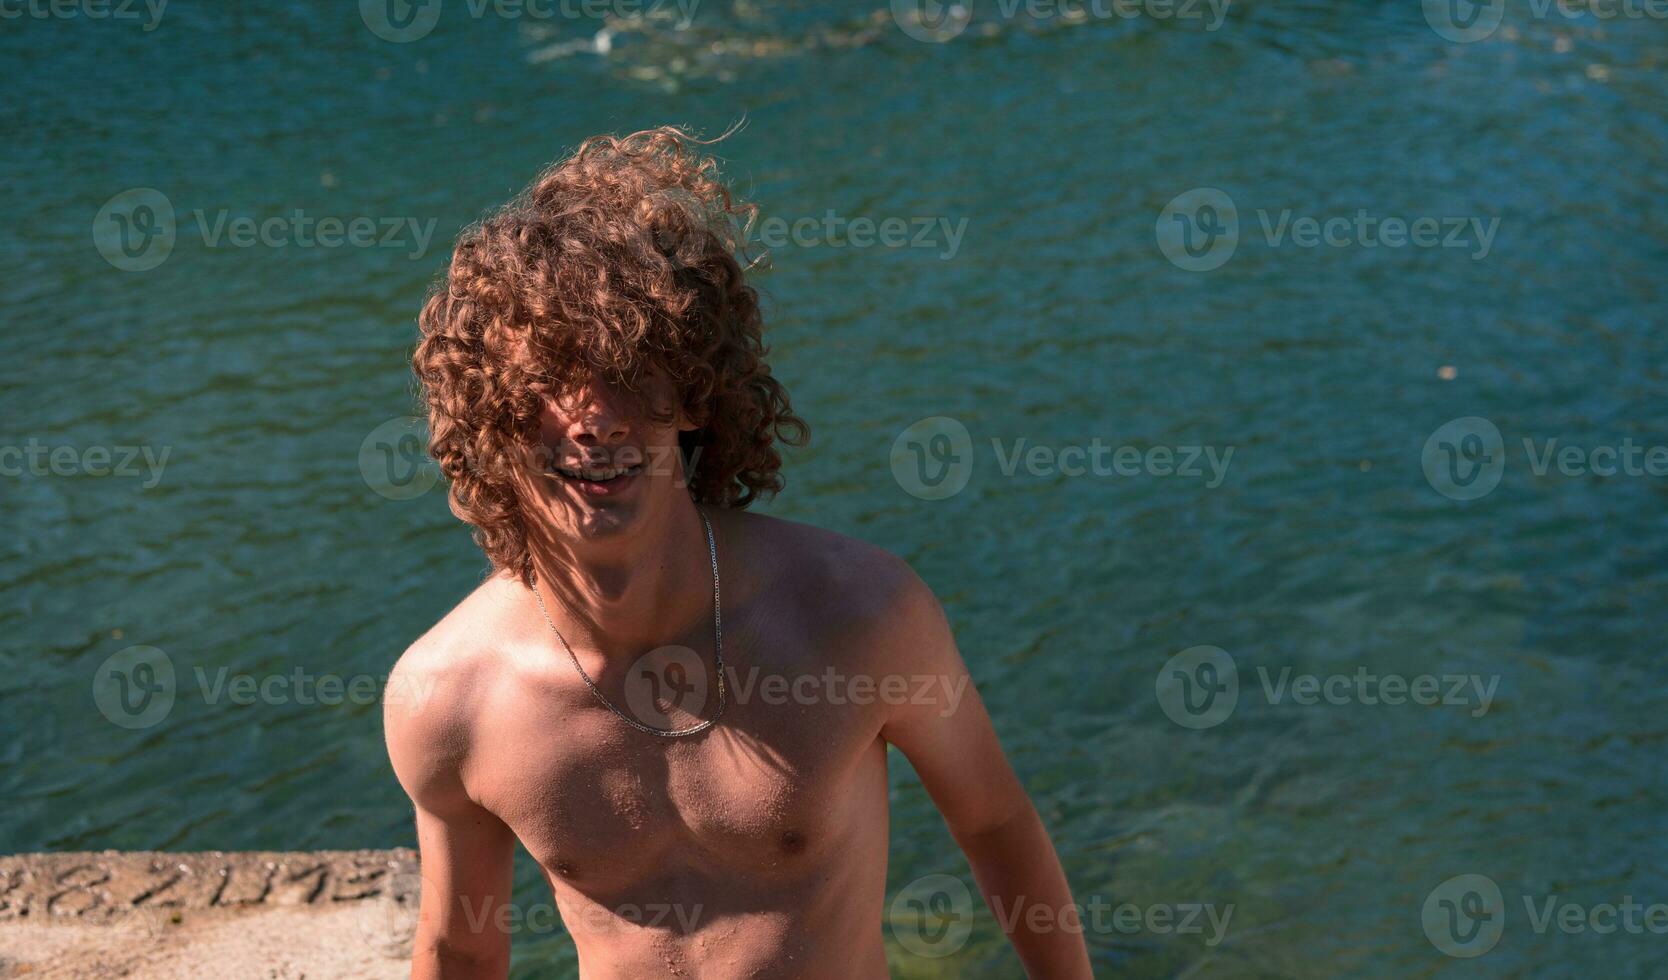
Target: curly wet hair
(626,256)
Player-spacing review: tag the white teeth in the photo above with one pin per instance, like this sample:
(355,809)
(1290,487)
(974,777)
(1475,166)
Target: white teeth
(596,476)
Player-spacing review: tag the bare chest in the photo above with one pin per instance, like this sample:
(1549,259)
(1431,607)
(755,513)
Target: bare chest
(770,788)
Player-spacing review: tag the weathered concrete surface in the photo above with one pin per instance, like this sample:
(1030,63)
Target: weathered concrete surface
(274,916)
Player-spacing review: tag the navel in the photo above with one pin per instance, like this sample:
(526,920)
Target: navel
(793,842)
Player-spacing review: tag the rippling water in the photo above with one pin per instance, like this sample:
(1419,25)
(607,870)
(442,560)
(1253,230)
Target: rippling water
(262,549)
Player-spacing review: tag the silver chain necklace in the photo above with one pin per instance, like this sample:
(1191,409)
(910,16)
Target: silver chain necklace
(718,653)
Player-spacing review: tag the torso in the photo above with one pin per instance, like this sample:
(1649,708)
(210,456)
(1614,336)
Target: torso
(756,848)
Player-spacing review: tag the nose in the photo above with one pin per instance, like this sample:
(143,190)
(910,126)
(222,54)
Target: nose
(602,418)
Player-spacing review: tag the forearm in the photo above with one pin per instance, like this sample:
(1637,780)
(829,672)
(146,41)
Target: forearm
(434,958)
(1026,889)
(453,944)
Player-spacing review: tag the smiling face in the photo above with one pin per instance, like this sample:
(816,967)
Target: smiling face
(627,252)
(607,459)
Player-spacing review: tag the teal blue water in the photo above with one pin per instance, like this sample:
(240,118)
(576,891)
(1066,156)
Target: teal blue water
(261,547)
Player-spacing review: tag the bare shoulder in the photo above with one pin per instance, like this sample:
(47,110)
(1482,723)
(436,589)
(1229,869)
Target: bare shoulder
(838,582)
(440,684)
(455,646)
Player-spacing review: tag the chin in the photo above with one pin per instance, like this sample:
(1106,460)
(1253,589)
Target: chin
(600,524)
(599,518)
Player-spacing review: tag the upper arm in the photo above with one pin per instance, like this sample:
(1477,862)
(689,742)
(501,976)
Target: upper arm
(942,727)
(466,852)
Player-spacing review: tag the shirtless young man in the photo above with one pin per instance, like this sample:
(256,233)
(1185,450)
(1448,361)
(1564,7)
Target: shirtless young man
(598,400)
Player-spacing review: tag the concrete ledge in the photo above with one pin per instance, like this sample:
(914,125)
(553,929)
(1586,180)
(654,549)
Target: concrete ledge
(273,915)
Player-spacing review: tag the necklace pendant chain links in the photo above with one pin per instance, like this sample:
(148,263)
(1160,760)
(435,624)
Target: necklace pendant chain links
(718,653)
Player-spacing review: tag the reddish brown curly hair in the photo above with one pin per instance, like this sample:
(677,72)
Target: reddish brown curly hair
(626,255)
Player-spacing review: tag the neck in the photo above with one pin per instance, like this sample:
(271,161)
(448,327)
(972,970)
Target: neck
(630,594)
